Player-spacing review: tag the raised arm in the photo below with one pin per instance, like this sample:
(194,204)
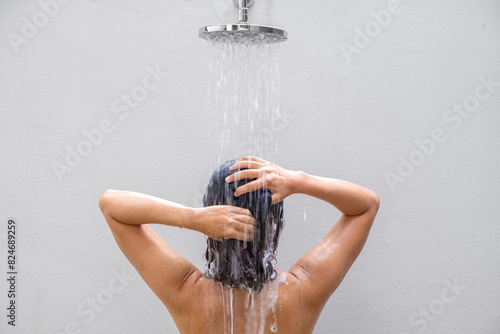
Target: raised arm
(128,215)
(322,269)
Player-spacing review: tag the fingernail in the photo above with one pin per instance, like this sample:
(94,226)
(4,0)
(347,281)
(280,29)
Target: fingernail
(231,168)
(227,179)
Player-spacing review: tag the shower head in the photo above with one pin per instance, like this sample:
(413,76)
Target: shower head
(243,32)
(239,33)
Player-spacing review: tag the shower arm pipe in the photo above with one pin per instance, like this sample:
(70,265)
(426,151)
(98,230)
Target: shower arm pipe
(243,9)
(243,4)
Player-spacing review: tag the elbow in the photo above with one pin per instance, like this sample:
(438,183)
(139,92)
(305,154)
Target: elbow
(375,202)
(105,200)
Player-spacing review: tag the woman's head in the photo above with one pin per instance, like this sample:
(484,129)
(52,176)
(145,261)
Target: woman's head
(237,263)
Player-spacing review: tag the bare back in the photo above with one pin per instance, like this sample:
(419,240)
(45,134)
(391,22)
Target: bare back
(279,308)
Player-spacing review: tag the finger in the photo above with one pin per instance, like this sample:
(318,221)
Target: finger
(252,158)
(275,199)
(240,211)
(247,164)
(244,174)
(241,227)
(246,219)
(250,186)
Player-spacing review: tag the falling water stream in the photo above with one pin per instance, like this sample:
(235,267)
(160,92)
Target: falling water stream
(243,96)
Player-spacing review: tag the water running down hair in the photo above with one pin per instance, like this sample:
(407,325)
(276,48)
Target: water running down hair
(237,263)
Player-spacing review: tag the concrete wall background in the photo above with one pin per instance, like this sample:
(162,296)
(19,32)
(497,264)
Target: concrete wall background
(357,113)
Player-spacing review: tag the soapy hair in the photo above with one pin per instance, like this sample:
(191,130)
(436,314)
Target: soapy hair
(237,263)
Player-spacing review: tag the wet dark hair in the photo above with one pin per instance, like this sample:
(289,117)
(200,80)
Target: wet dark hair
(237,263)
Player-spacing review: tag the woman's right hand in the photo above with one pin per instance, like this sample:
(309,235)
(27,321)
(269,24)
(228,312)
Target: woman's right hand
(279,181)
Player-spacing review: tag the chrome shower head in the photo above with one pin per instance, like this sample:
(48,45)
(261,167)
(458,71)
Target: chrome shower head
(239,33)
(243,32)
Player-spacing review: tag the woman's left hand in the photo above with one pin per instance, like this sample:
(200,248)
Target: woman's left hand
(225,222)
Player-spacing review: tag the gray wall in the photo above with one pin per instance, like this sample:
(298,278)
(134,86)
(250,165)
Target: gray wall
(360,105)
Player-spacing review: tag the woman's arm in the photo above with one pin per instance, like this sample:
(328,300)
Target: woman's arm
(166,272)
(326,265)
(322,269)
(135,209)
(217,222)
(349,198)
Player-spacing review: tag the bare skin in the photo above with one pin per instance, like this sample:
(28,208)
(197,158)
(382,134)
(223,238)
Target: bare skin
(201,305)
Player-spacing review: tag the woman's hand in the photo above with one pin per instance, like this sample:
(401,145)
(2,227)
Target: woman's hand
(268,175)
(225,222)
